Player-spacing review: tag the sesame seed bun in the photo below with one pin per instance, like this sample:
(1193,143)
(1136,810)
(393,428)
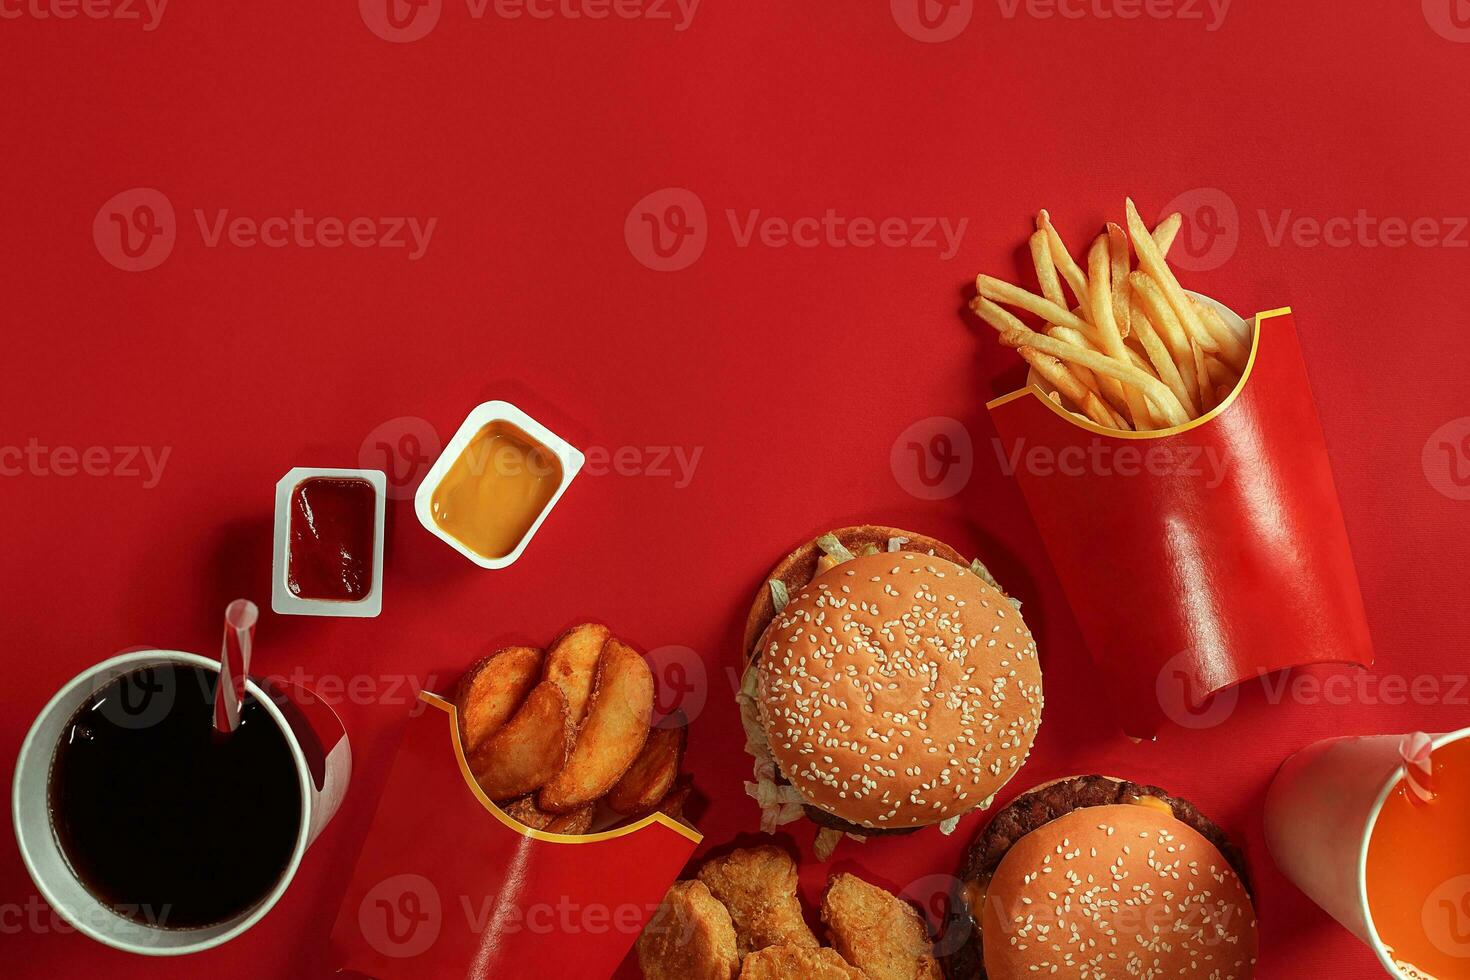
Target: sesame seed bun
(898,690)
(1117,890)
(800,567)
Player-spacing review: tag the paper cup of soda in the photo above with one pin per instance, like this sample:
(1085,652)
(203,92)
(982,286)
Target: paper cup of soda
(1345,824)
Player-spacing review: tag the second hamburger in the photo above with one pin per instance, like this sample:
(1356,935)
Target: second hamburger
(1094,877)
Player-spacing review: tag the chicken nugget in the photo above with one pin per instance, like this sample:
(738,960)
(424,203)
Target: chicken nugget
(877,932)
(689,938)
(758,886)
(798,963)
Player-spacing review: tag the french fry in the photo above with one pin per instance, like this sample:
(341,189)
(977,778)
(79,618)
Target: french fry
(1162,362)
(1108,389)
(651,776)
(1158,394)
(492,690)
(1100,299)
(1220,374)
(572,663)
(1014,333)
(1055,373)
(617,724)
(1046,270)
(1004,292)
(1203,373)
(1167,324)
(1063,258)
(1089,381)
(1103,387)
(1242,333)
(1166,231)
(1100,305)
(1157,267)
(1119,265)
(529,750)
(1135,350)
(1231,346)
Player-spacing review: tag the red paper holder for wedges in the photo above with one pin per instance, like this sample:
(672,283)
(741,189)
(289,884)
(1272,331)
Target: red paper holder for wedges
(1200,556)
(448,886)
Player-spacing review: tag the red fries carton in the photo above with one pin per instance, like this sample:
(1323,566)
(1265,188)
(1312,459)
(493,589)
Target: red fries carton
(1199,556)
(449,886)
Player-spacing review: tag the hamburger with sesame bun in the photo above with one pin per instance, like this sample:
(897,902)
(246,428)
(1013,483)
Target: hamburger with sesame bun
(1095,876)
(890,685)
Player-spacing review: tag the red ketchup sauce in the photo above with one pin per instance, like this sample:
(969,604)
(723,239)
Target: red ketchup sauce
(332,534)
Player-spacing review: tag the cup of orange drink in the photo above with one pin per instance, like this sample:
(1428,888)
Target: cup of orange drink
(1381,845)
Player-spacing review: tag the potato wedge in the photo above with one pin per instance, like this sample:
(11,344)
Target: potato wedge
(525,811)
(612,735)
(529,750)
(678,798)
(576,823)
(528,813)
(651,776)
(492,690)
(572,665)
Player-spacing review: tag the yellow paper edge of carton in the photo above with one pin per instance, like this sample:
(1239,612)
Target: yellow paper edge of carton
(1091,426)
(435,701)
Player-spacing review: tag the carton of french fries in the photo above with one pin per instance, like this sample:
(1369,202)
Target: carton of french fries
(1170,454)
(535,813)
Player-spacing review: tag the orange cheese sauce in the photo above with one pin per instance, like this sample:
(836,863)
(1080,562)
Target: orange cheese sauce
(496,489)
(1419,872)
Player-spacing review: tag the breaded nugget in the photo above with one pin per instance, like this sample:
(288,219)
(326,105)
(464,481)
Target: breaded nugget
(689,938)
(798,963)
(877,932)
(758,886)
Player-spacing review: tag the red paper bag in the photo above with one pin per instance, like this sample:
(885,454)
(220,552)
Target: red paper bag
(1200,556)
(448,886)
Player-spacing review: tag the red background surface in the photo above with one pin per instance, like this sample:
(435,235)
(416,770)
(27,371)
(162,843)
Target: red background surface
(792,369)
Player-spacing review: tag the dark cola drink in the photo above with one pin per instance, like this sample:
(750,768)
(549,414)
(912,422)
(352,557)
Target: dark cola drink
(165,820)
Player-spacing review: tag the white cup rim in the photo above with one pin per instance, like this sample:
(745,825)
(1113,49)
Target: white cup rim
(1392,780)
(31,747)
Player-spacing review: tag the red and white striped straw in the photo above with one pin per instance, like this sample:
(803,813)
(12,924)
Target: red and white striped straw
(234,663)
(1417,751)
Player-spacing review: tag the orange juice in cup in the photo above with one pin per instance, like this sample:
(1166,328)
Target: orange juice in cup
(1344,823)
(1418,875)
